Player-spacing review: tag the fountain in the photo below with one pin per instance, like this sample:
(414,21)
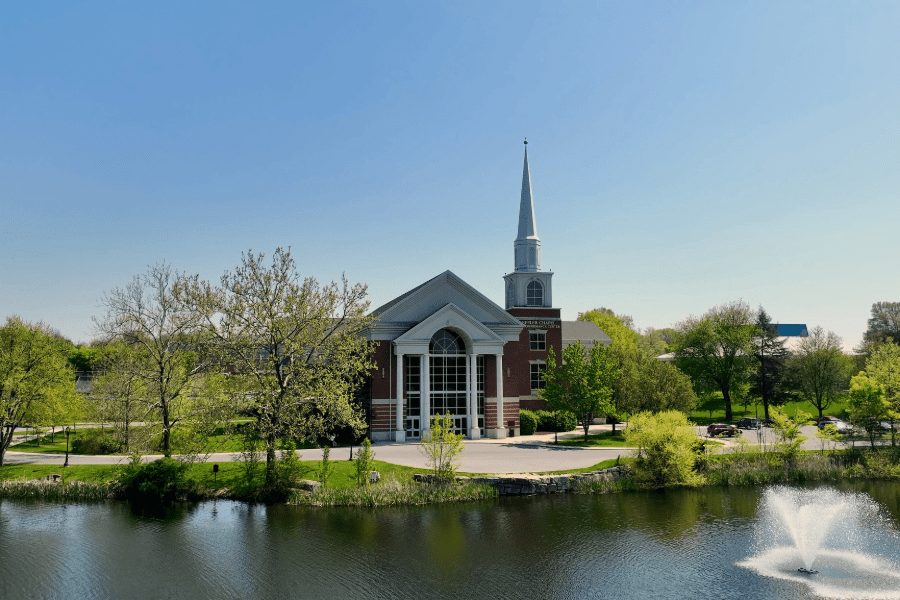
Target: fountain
(836,543)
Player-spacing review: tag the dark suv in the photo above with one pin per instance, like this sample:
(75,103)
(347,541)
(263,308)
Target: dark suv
(750,423)
(717,429)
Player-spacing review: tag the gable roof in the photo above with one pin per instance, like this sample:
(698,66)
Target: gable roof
(792,330)
(411,308)
(584,331)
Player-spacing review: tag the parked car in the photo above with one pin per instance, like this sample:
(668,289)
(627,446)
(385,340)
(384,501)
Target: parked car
(839,425)
(882,425)
(750,423)
(725,429)
(826,419)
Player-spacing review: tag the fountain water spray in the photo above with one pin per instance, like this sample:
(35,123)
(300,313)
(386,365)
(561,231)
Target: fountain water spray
(838,541)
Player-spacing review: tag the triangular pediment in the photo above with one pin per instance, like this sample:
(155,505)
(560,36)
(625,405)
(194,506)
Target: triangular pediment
(412,308)
(450,317)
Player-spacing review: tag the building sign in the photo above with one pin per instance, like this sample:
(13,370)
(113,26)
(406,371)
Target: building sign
(546,324)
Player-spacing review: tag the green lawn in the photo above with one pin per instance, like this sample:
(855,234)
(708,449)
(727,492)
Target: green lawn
(701,416)
(604,439)
(218,442)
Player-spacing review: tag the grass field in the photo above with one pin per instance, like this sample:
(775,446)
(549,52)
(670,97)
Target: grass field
(220,441)
(703,415)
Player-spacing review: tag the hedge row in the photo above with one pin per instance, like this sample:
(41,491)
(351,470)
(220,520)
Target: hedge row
(544,420)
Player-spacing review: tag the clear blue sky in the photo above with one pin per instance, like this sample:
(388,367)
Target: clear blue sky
(682,154)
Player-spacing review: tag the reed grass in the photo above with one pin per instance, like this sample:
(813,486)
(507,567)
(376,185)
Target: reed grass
(71,491)
(390,492)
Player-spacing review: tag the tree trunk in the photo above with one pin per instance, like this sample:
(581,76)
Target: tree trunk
(726,396)
(167,442)
(271,460)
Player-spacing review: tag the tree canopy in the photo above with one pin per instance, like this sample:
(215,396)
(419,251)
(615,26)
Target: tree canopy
(622,336)
(296,348)
(714,349)
(883,326)
(169,355)
(581,383)
(648,384)
(36,381)
(769,380)
(823,370)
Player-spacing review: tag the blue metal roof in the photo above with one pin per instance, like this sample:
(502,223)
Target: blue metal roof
(792,330)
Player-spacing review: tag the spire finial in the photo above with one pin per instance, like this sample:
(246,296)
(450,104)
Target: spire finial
(526,142)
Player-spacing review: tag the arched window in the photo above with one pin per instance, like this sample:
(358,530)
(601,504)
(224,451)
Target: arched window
(447,342)
(534,295)
(510,294)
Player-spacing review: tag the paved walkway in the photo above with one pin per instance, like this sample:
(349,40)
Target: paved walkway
(534,453)
(530,454)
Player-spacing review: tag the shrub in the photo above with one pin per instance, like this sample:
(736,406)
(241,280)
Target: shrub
(441,446)
(528,421)
(96,441)
(160,482)
(561,420)
(364,463)
(666,448)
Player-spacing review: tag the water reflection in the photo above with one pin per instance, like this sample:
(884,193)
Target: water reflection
(676,544)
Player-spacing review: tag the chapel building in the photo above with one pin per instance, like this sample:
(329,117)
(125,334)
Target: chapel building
(443,347)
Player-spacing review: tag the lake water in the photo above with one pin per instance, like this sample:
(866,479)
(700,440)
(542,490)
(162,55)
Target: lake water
(681,544)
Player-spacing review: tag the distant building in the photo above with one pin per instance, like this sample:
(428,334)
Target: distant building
(443,347)
(787,332)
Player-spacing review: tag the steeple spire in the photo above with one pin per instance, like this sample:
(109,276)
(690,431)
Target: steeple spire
(526,207)
(527,286)
(527,244)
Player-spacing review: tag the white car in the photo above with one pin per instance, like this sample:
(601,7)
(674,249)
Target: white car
(841,426)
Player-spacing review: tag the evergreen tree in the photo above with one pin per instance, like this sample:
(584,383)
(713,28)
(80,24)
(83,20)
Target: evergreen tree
(769,380)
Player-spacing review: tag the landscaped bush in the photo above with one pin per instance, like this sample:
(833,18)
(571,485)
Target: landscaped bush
(160,482)
(97,441)
(556,421)
(528,421)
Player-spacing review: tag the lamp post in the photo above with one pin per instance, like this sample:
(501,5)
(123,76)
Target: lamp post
(68,431)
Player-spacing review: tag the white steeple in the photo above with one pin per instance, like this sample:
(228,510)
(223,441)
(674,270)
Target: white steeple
(527,286)
(527,244)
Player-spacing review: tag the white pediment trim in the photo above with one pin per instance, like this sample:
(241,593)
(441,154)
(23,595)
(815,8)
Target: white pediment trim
(402,309)
(479,338)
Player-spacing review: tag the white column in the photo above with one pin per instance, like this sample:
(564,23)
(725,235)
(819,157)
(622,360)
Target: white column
(472,389)
(400,430)
(501,429)
(425,419)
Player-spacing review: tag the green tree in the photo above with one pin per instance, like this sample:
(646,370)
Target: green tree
(119,394)
(714,349)
(648,384)
(665,444)
(769,380)
(868,406)
(828,433)
(883,366)
(581,383)
(822,368)
(296,347)
(654,342)
(622,336)
(36,380)
(442,447)
(84,358)
(883,326)
(788,431)
(364,461)
(164,335)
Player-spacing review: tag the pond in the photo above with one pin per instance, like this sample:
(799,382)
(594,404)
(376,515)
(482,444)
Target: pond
(675,544)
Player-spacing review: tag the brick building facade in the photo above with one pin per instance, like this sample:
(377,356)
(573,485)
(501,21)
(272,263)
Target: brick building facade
(445,348)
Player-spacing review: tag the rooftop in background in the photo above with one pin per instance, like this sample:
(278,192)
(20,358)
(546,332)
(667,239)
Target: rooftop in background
(792,330)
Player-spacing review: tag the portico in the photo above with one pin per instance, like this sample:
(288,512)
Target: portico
(443,360)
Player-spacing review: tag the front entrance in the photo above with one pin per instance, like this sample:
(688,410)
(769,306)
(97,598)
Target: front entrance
(447,374)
